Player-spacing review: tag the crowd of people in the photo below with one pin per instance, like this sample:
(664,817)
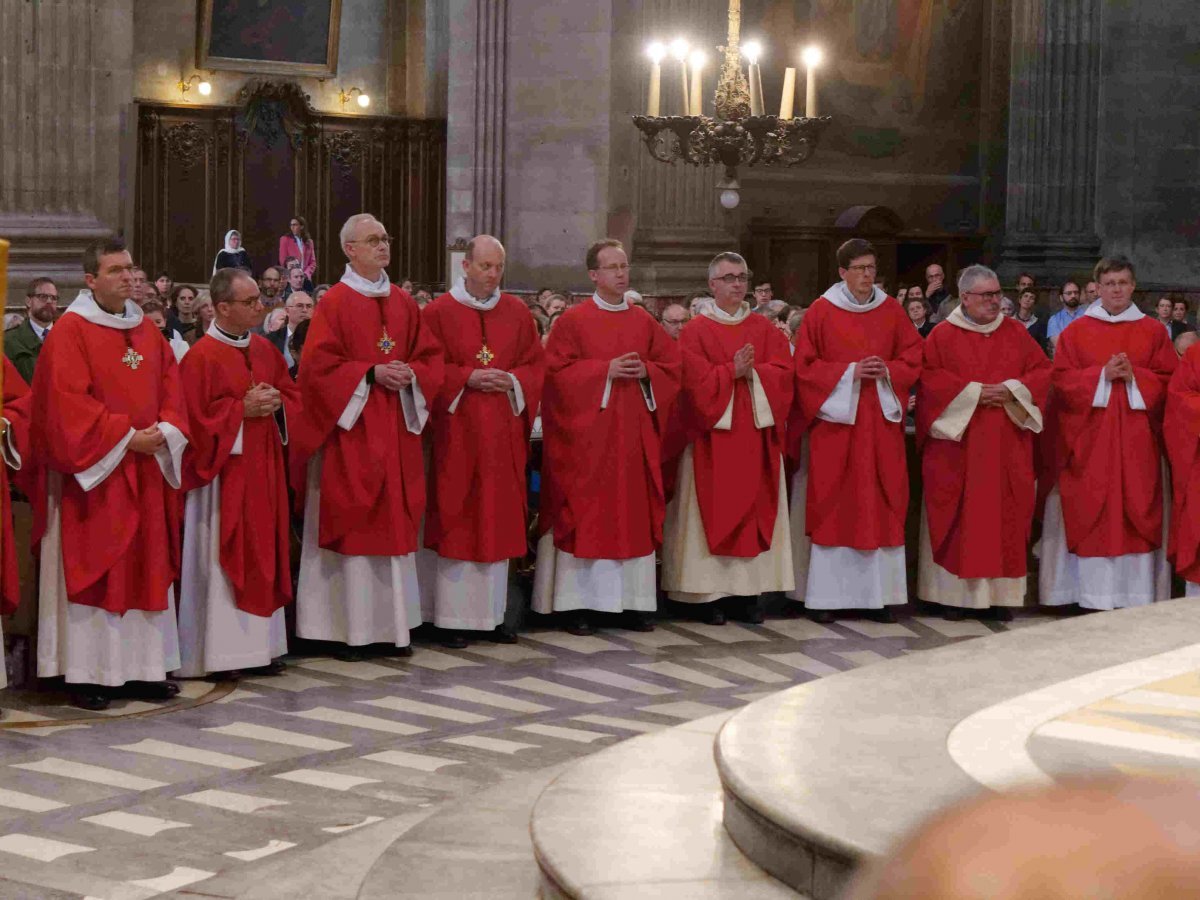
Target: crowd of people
(710,451)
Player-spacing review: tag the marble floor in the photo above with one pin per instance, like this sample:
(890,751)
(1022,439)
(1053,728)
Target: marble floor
(297,784)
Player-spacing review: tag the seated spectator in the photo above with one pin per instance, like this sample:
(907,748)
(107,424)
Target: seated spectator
(204,311)
(142,290)
(795,320)
(164,285)
(319,293)
(916,292)
(696,301)
(270,286)
(232,255)
(153,310)
(181,315)
(544,295)
(1180,321)
(1162,310)
(901,294)
(674,316)
(295,283)
(918,314)
(1007,308)
(423,298)
(555,304)
(297,308)
(293,263)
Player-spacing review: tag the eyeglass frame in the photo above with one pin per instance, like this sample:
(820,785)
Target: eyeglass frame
(373,240)
(743,277)
(53,297)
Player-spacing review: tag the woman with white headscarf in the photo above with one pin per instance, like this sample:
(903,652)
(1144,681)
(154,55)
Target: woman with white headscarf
(233,256)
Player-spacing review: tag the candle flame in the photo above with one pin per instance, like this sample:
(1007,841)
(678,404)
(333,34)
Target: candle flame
(679,49)
(752,51)
(656,51)
(812,56)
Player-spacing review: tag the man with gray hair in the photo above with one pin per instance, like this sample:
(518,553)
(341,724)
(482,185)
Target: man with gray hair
(370,371)
(979,402)
(857,357)
(726,534)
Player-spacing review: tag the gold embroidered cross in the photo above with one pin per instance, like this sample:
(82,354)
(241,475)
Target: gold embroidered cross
(132,358)
(386,344)
(485,355)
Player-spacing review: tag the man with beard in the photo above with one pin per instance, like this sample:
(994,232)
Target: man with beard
(1072,310)
(23,344)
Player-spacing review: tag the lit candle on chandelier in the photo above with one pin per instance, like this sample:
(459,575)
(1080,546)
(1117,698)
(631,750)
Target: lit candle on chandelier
(679,50)
(789,93)
(656,51)
(812,59)
(696,107)
(752,51)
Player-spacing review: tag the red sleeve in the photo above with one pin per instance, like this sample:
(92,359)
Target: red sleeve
(938,385)
(815,377)
(776,374)
(664,368)
(18,407)
(216,412)
(1153,378)
(425,356)
(1074,383)
(707,384)
(1181,434)
(904,366)
(530,371)
(454,376)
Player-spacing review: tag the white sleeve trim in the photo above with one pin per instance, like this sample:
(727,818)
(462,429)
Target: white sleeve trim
(952,424)
(457,398)
(841,406)
(93,475)
(516,396)
(763,417)
(354,408)
(725,423)
(236,450)
(1103,390)
(607,392)
(648,394)
(416,410)
(170,455)
(888,402)
(1136,400)
(12,458)
(1022,411)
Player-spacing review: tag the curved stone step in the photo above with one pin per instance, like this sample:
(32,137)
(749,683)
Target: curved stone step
(642,819)
(821,776)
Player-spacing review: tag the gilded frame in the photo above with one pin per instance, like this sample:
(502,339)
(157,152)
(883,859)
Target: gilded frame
(205,60)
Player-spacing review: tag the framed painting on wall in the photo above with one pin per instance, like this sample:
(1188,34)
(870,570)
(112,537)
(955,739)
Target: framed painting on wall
(276,37)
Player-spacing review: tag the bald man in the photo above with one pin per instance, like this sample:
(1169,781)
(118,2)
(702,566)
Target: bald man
(1136,839)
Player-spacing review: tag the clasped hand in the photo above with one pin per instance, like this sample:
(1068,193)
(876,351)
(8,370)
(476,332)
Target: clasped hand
(148,441)
(743,361)
(261,400)
(872,368)
(490,381)
(628,366)
(995,395)
(1118,368)
(395,376)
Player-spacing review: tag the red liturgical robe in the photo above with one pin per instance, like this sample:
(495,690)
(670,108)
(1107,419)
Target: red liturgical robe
(858,492)
(1181,433)
(979,490)
(602,491)
(477,502)
(121,539)
(372,478)
(736,468)
(1106,460)
(253,507)
(17,407)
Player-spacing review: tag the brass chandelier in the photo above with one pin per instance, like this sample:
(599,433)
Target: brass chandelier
(740,133)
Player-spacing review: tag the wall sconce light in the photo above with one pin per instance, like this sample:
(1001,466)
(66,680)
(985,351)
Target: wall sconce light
(184,86)
(345,97)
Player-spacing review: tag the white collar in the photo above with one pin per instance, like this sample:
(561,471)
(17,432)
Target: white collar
(959,318)
(85,306)
(1131,314)
(459,292)
(216,334)
(354,281)
(38,329)
(610,307)
(714,312)
(839,295)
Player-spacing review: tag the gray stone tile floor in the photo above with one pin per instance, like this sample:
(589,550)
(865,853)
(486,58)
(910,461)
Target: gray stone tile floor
(239,789)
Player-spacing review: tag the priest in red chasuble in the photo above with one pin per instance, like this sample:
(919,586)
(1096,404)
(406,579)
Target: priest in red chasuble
(14,447)
(1181,434)
(476,517)
(236,571)
(612,374)
(370,371)
(727,530)
(857,358)
(979,402)
(1103,541)
(110,429)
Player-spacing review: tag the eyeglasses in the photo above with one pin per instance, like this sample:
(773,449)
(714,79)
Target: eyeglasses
(45,298)
(615,267)
(863,269)
(374,240)
(986,295)
(254,302)
(731,279)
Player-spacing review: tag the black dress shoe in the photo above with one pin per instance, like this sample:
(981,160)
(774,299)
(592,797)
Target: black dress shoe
(90,700)
(1001,614)
(270,670)
(953,614)
(452,640)
(149,690)
(821,616)
(580,625)
(503,635)
(883,615)
(714,614)
(637,621)
(754,611)
(398,652)
(346,653)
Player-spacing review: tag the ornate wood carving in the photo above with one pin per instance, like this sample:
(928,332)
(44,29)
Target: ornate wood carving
(188,143)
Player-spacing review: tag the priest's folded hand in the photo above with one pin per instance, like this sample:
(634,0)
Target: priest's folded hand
(995,395)
(872,368)
(1118,368)
(743,362)
(148,441)
(628,366)
(489,381)
(395,376)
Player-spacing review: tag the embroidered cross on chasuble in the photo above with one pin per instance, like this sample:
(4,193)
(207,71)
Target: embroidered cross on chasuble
(132,358)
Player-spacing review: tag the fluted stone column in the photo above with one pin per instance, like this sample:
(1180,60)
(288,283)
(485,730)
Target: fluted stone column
(1054,104)
(65,86)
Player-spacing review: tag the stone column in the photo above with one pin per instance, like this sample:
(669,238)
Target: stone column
(1054,101)
(65,85)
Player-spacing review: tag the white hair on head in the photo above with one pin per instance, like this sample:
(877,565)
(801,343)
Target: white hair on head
(728,256)
(347,233)
(632,296)
(971,275)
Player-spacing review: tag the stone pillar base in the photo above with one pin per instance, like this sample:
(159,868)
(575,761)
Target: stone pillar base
(47,245)
(1050,259)
(675,261)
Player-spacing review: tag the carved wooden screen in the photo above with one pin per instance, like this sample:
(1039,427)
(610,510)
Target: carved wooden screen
(205,169)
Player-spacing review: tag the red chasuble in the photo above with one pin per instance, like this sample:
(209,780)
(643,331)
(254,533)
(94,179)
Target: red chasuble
(602,491)
(254,511)
(858,484)
(372,478)
(477,503)
(1181,434)
(979,492)
(121,539)
(1106,461)
(736,471)
(17,403)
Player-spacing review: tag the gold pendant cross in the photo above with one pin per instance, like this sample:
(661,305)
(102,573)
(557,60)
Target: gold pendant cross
(132,358)
(386,344)
(485,355)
